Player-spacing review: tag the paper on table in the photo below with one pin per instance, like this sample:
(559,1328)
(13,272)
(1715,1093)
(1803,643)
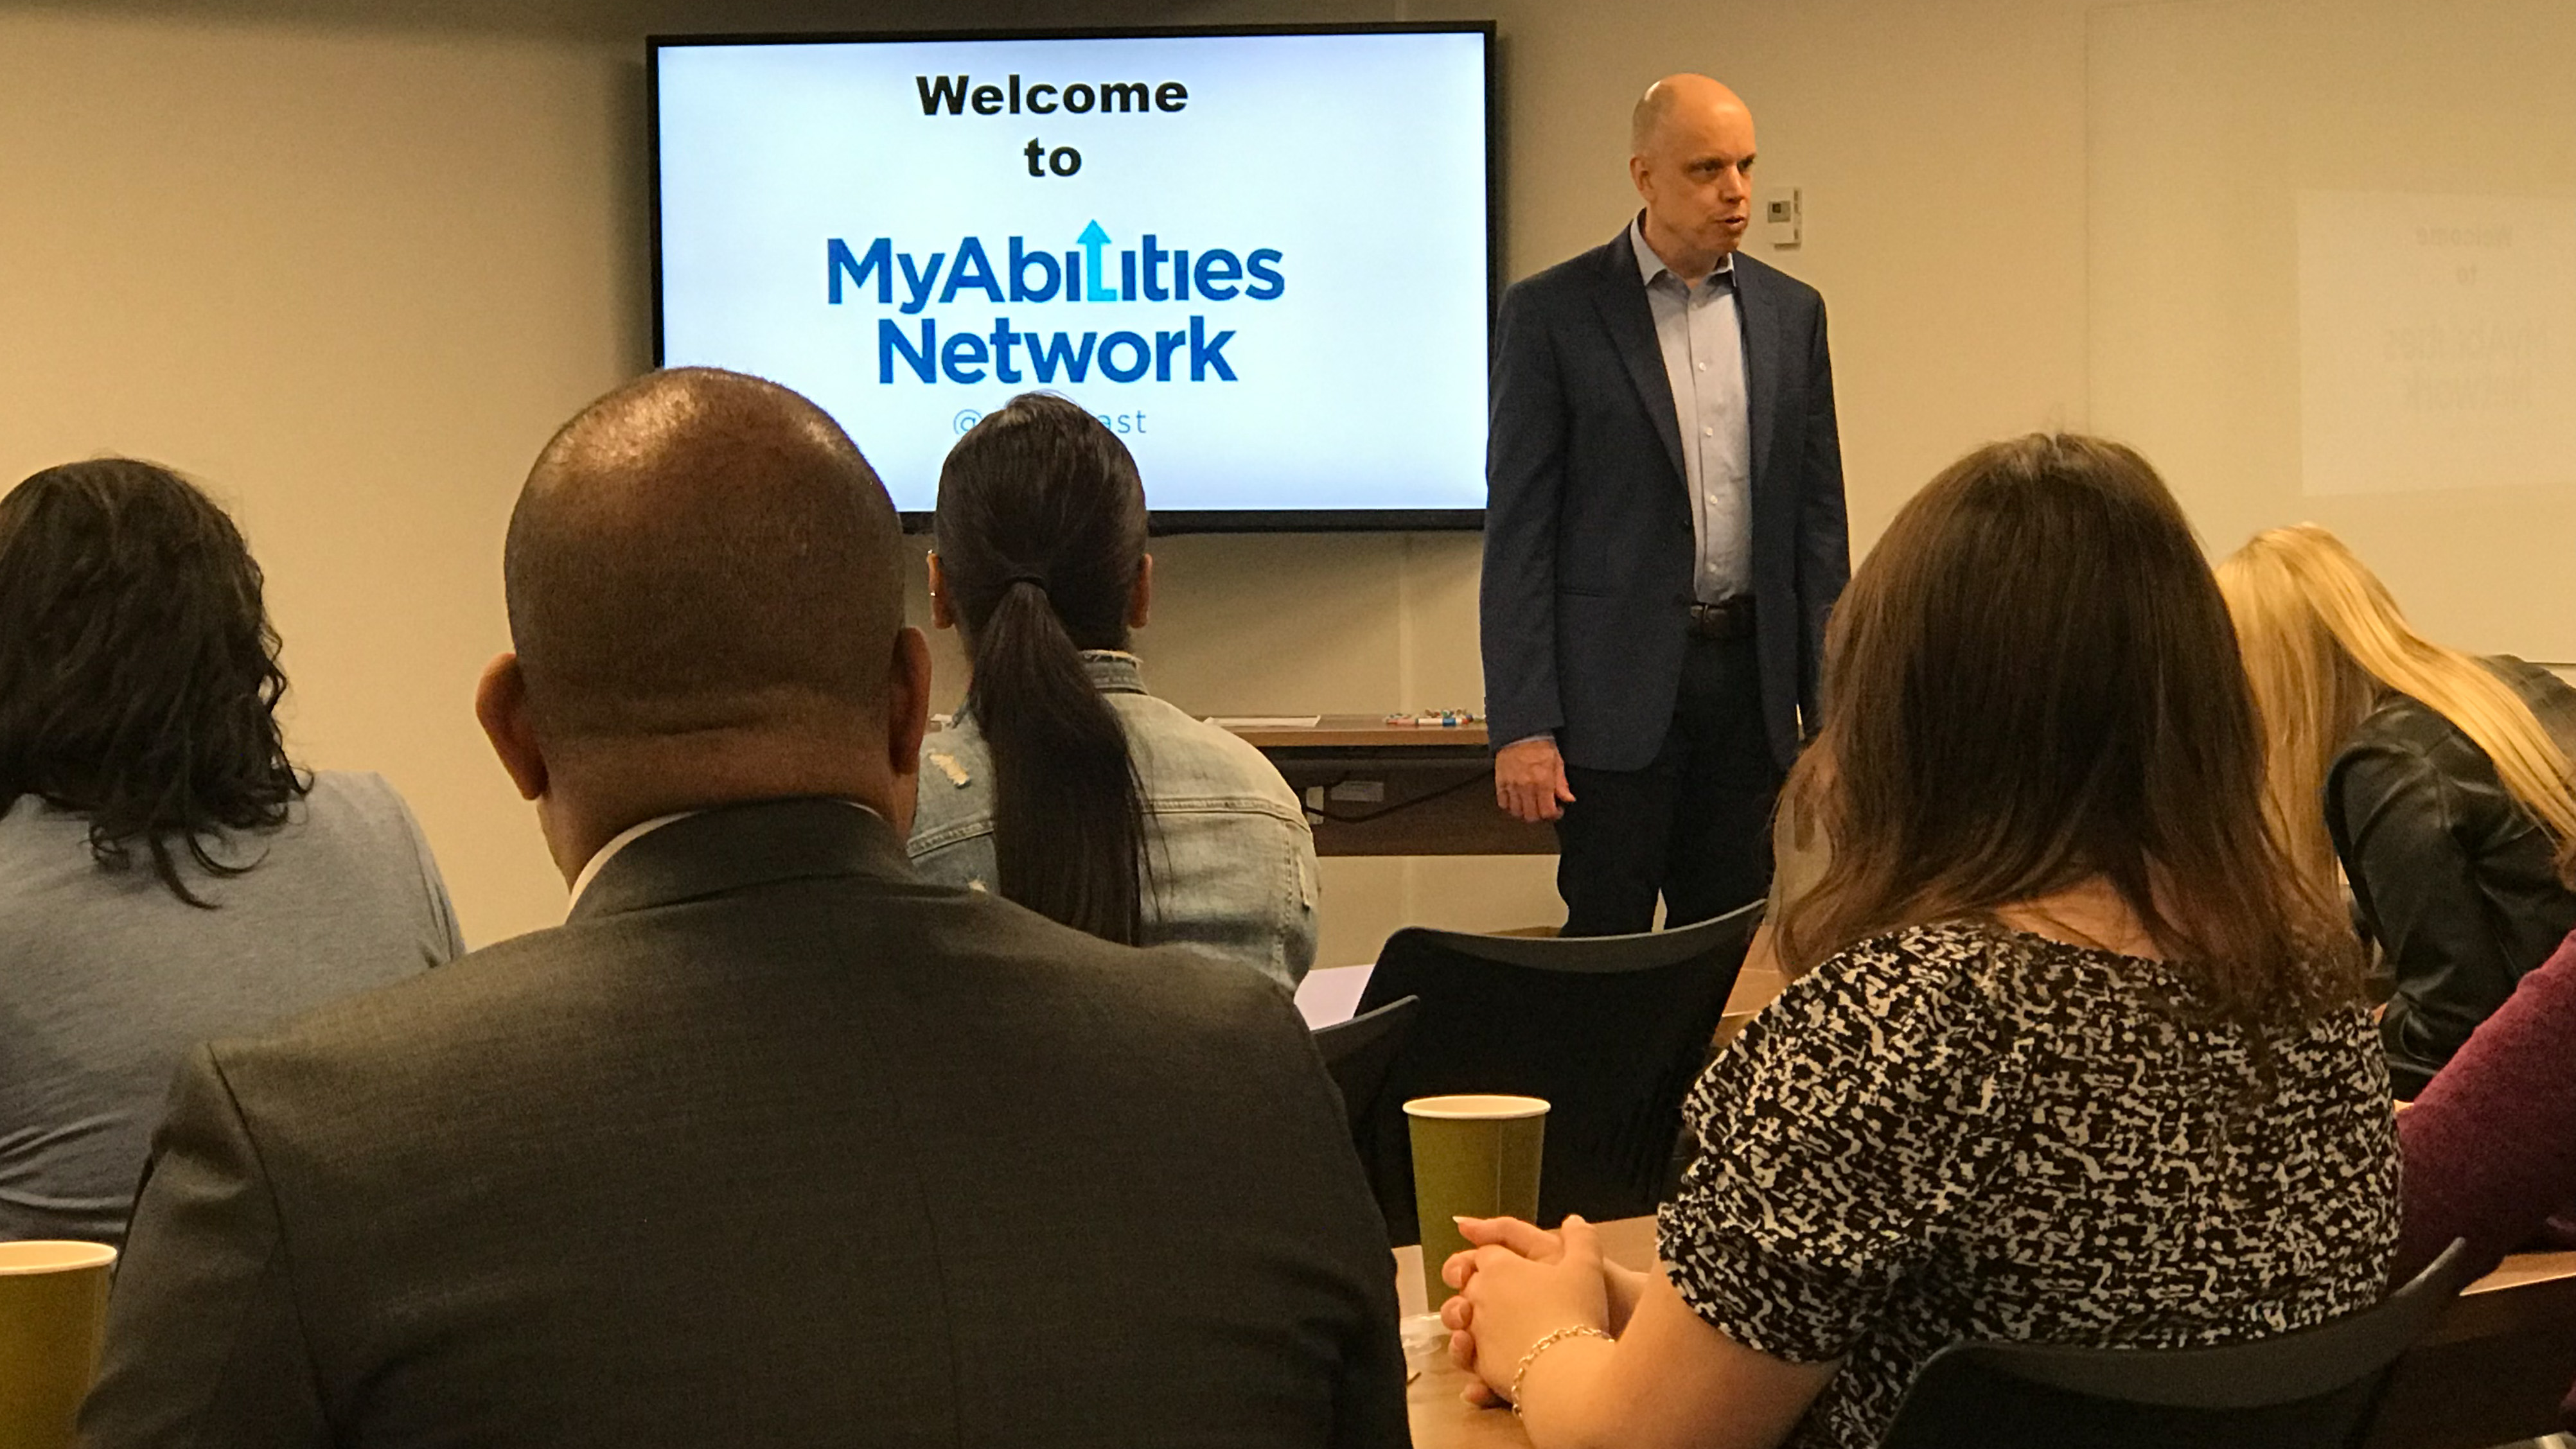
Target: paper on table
(1265,721)
(1332,995)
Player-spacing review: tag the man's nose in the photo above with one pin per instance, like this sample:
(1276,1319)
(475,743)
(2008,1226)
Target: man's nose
(1733,184)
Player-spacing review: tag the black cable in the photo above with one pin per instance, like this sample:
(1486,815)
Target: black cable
(1401,805)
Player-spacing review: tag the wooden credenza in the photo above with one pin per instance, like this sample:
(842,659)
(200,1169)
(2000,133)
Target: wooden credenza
(1372,788)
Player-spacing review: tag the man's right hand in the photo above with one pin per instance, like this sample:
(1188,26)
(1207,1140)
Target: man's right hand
(1529,780)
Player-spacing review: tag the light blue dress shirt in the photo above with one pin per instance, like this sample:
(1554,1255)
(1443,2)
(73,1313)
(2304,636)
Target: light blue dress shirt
(1703,347)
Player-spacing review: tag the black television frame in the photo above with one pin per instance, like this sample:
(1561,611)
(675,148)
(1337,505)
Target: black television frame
(1164,521)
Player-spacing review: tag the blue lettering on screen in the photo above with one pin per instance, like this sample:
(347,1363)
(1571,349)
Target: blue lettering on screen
(963,355)
(928,351)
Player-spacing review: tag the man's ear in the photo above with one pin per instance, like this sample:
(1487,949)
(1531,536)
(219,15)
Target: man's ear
(1140,600)
(501,704)
(907,720)
(942,616)
(908,713)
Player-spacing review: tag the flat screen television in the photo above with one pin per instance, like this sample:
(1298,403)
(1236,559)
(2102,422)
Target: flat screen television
(1262,255)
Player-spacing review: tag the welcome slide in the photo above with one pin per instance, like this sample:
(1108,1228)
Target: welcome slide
(1262,259)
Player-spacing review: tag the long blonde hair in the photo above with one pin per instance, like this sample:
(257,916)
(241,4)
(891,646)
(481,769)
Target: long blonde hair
(2323,644)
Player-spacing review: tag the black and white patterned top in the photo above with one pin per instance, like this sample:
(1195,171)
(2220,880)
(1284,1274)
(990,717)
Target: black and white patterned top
(1958,1132)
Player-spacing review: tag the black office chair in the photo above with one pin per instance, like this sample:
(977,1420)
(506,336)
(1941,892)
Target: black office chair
(1357,1053)
(1610,1030)
(2318,1388)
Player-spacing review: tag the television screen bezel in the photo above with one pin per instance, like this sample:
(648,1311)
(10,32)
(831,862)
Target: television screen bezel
(1164,521)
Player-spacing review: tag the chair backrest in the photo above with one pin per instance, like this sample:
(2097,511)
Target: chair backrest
(1357,1053)
(2318,1388)
(1610,1030)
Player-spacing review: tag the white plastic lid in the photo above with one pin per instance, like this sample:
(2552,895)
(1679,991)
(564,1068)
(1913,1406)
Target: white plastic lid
(44,1255)
(1476,1108)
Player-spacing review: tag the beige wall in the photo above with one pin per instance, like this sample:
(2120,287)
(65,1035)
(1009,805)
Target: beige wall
(351,274)
(2210,352)
(350,280)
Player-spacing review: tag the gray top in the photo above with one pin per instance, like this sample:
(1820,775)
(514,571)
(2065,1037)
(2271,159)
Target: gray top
(106,978)
(1230,861)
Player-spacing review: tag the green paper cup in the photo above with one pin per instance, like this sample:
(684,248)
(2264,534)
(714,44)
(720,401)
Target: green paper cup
(53,1311)
(1474,1157)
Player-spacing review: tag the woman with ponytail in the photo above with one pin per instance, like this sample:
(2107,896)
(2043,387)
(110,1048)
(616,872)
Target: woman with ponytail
(2437,783)
(1062,785)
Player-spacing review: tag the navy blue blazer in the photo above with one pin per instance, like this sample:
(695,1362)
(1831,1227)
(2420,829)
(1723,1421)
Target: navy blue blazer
(1588,541)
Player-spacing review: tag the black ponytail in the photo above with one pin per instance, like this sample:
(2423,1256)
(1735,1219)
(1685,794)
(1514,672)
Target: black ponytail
(1041,531)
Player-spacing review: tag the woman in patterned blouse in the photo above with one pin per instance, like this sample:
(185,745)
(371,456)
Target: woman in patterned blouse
(2071,1054)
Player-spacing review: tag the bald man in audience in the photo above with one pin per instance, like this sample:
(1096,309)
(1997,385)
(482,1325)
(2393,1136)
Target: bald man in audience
(770,1142)
(1664,534)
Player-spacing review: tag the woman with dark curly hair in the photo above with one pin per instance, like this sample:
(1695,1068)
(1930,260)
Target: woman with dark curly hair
(166,874)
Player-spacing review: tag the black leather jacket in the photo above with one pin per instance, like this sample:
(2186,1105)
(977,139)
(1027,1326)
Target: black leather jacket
(2453,880)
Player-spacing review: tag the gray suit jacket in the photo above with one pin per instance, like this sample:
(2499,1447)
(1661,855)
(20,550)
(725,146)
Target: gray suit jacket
(771,1144)
(1588,540)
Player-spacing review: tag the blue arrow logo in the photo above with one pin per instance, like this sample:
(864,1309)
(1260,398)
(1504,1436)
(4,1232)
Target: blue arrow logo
(1093,239)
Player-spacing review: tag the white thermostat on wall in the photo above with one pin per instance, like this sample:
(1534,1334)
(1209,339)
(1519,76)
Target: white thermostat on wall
(1781,215)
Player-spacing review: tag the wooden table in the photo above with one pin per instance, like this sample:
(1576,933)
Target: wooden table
(1372,788)
(1754,988)
(2494,1369)
(2467,1383)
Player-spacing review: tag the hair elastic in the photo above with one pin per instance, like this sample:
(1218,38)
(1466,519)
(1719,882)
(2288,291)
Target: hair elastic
(1016,580)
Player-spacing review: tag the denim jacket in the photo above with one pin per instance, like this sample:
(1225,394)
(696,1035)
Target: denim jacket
(1230,862)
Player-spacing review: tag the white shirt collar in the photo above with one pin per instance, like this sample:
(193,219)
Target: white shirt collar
(1650,266)
(618,842)
(635,832)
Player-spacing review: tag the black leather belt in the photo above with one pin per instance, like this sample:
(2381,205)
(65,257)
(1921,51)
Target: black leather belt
(1726,619)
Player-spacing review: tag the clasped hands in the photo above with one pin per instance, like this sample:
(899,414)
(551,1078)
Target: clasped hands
(1520,1283)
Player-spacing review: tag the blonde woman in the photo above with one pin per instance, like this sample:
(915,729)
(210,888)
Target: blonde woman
(2443,779)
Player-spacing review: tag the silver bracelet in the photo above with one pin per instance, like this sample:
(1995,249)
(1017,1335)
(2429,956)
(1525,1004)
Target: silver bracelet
(1571,1330)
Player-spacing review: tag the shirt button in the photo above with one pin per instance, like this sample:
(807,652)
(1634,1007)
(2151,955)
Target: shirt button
(1708,432)
(1703,367)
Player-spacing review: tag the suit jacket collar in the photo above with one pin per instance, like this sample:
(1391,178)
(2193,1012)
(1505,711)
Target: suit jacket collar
(732,847)
(1622,301)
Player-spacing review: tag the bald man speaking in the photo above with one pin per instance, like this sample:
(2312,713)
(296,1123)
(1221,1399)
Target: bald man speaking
(1664,534)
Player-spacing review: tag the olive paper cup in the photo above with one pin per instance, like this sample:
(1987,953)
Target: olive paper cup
(1474,1157)
(53,1312)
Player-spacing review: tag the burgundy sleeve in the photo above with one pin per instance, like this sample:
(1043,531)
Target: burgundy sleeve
(2490,1144)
